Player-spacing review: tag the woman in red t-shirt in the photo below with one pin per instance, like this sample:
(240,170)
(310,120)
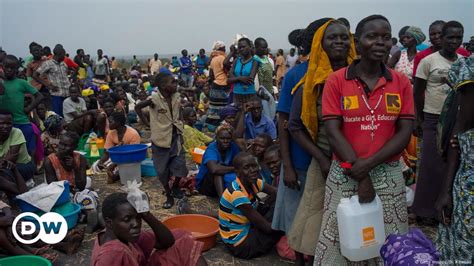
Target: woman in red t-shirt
(368,114)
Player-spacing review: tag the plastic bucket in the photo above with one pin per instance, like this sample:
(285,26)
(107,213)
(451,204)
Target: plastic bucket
(125,154)
(25,260)
(130,172)
(147,168)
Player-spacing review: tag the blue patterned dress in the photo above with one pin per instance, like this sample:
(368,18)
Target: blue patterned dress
(456,241)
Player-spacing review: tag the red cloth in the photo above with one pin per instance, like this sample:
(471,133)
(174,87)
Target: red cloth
(419,56)
(70,63)
(342,99)
(185,251)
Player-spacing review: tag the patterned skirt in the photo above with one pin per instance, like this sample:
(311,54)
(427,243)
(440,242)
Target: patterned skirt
(218,97)
(389,185)
(456,241)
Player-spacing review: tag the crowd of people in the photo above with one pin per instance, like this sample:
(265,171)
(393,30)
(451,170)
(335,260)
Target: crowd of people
(285,137)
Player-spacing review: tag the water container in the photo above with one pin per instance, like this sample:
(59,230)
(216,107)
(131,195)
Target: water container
(130,172)
(361,228)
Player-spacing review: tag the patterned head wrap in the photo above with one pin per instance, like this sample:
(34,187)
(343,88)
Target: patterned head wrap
(52,122)
(218,45)
(461,72)
(224,126)
(416,33)
(228,110)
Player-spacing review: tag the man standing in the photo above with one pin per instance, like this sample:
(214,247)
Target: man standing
(56,79)
(186,66)
(155,64)
(291,59)
(12,98)
(101,66)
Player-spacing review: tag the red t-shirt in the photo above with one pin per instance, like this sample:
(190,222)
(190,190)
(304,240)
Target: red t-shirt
(419,56)
(392,99)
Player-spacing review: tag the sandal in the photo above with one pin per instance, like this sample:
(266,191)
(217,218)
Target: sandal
(42,250)
(168,203)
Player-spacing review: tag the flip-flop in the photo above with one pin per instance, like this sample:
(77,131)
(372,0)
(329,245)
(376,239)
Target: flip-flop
(168,203)
(42,250)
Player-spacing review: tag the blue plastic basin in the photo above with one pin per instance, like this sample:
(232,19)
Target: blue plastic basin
(70,212)
(128,153)
(26,207)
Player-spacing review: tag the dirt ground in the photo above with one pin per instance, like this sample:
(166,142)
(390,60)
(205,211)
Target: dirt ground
(216,256)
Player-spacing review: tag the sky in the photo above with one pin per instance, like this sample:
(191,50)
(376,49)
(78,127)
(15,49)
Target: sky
(143,27)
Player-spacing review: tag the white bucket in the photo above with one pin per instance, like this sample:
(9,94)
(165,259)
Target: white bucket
(130,172)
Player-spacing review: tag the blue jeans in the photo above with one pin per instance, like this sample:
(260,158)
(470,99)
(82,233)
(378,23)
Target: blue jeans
(27,130)
(57,104)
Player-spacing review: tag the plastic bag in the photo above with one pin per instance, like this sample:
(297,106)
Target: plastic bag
(137,198)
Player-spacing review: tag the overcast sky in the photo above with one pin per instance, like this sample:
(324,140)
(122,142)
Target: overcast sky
(143,27)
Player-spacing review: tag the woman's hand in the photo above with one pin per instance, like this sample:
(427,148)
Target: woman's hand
(366,190)
(290,179)
(360,169)
(325,164)
(246,80)
(444,208)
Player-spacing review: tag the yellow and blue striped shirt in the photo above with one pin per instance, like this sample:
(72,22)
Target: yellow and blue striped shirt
(233,224)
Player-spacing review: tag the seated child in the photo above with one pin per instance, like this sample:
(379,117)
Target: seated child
(124,243)
(66,164)
(228,114)
(76,115)
(216,172)
(203,105)
(13,147)
(119,134)
(245,225)
(192,137)
(53,127)
(102,124)
(272,159)
(257,148)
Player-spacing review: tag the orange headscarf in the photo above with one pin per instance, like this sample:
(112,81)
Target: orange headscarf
(319,68)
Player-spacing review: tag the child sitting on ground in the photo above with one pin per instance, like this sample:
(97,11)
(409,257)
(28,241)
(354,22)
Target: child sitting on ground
(192,137)
(272,160)
(124,243)
(244,222)
(257,148)
(119,134)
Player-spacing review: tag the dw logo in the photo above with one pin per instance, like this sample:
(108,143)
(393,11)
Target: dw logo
(51,226)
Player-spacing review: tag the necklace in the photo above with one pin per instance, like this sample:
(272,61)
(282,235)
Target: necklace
(371,110)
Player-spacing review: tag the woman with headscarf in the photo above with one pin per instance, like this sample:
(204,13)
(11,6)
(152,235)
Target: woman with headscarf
(50,137)
(403,60)
(219,91)
(454,205)
(332,48)
(368,114)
